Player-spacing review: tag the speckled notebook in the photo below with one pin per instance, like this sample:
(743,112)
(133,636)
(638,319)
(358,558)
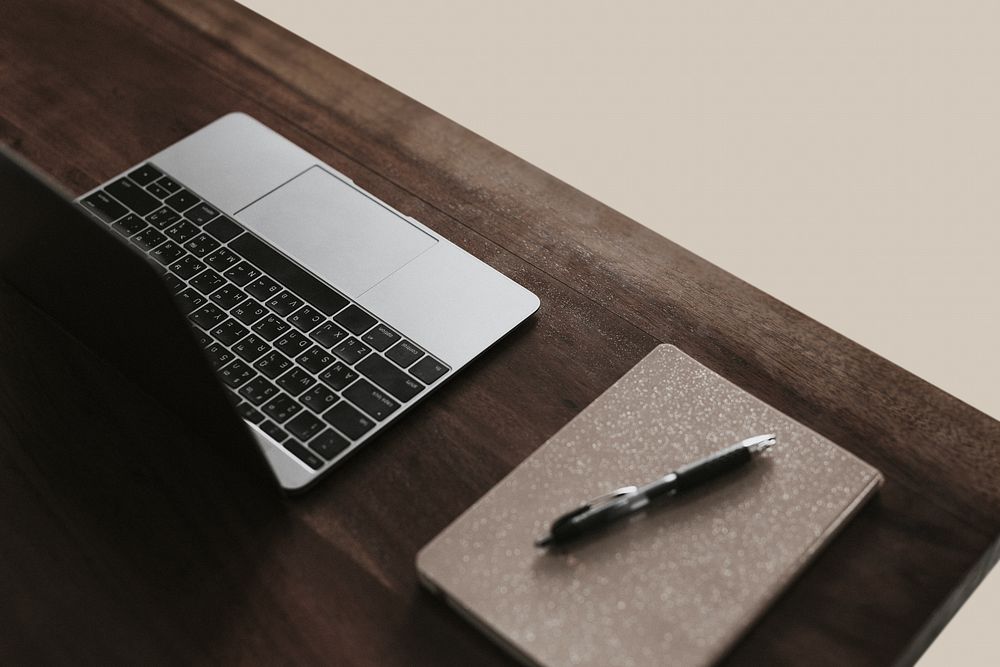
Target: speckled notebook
(678,584)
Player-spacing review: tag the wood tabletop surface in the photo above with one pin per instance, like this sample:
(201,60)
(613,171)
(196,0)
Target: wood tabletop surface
(117,549)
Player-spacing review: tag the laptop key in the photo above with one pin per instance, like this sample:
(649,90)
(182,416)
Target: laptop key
(315,359)
(167,253)
(304,426)
(328,444)
(297,279)
(428,370)
(133,196)
(250,413)
(148,238)
(218,355)
(355,320)
(173,282)
(207,281)
(129,225)
(223,229)
(258,390)
(318,399)
(181,200)
(292,343)
(338,376)
(168,184)
(189,300)
(271,327)
(201,245)
(251,348)
(229,332)
(182,231)
(145,174)
(201,214)
(380,337)
(371,399)
(163,217)
(281,408)
(273,364)
(263,288)
(106,208)
(303,454)
(222,259)
(242,273)
(236,374)
(328,335)
(404,353)
(389,377)
(295,381)
(157,191)
(306,318)
(208,316)
(284,303)
(274,431)
(248,312)
(348,421)
(228,296)
(351,350)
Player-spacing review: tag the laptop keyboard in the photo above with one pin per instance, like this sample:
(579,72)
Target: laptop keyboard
(306,365)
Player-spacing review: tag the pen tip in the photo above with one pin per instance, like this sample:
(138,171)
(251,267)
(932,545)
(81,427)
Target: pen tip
(760,443)
(543,542)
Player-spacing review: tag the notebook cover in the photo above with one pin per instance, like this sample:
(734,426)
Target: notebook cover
(678,584)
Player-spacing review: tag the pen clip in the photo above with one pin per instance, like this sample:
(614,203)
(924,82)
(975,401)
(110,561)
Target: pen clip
(608,498)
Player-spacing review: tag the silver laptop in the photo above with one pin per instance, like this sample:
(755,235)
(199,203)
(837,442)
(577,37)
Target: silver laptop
(326,312)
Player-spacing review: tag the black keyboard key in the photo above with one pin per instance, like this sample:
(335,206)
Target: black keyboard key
(355,320)
(281,408)
(348,421)
(207,281)
(328,335)
(273,364)
(236,374)
(380,337)
(229,331)
(295,381)
(389,377)
(292,343)
(303,454)
(218,355)
(173,282)
(157,191)
(148,238)
(223,229)
(428,370)
(284,303)
(305,318)
(270,327)
(351,350)
(338,376)
(168,184)
(404,353)
(203,338)
(133,196)
(328,444)
(271,429)
(228,296)
(129,225)
(315,359)
(258,390)
(201,214)
(182,232)
(106,208)
(250,413)
(318,399)
(222,259)
(145,174)
(263,288)
(181,200)
(371,399)
(162,218)
(251,348)
(168,253)
(248,312)
(289,274)
(201,245)
(189,300)
(208,316)
(304,426)
(242,273)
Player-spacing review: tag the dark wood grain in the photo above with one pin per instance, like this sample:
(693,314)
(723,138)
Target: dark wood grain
(197,571)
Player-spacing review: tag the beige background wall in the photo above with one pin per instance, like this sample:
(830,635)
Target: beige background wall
(842,156)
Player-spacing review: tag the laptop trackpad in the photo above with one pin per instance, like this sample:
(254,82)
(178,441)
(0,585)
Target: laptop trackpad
(334,230)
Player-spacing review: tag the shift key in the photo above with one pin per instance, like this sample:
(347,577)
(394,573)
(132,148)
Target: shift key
(390,378)
(371,399)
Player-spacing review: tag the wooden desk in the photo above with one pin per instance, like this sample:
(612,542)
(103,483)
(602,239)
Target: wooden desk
(102,560)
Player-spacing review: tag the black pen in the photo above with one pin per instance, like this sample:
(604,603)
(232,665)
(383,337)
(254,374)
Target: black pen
(630,499)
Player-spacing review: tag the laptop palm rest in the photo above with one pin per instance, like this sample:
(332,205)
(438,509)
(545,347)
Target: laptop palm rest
(335,230)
